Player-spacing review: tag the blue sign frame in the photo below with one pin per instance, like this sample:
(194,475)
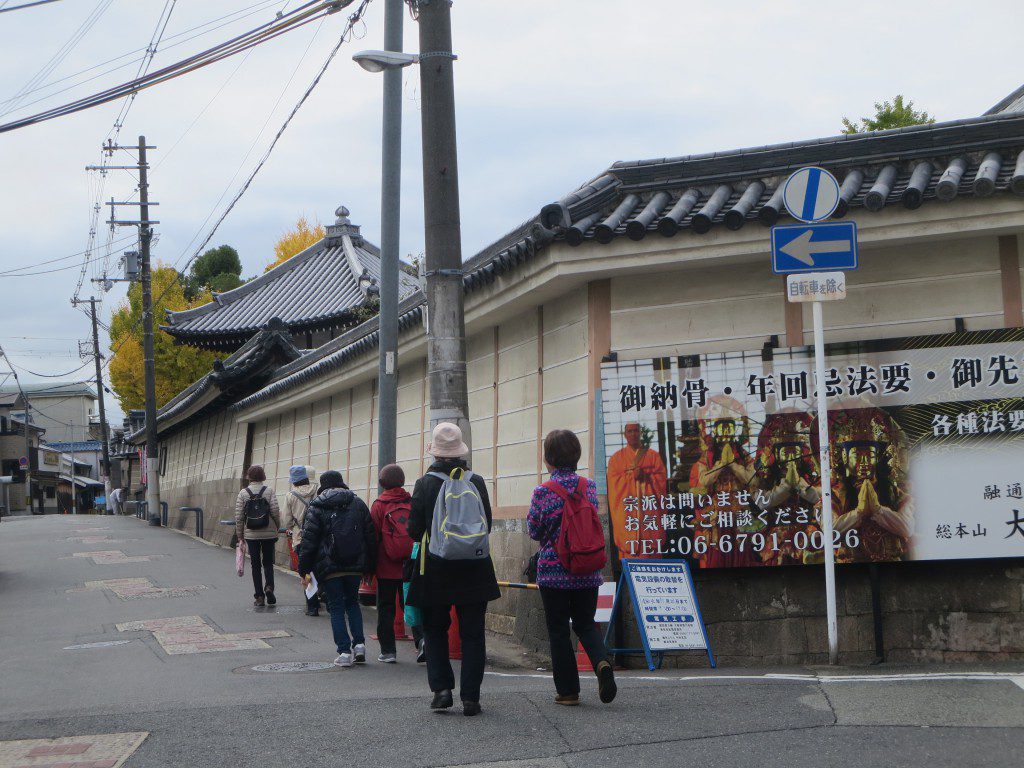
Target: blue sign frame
(847,261)
(626,579)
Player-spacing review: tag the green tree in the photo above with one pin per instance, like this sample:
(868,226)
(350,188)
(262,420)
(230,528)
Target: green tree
(219,269)
(889,114)
(176,366)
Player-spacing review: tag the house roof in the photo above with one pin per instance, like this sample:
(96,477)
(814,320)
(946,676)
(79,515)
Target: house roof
(55,389)
(1013,102)
(315,289)
(241,373)
(77,446)
(909,167)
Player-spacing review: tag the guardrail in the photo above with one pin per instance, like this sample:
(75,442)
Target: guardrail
(199,518)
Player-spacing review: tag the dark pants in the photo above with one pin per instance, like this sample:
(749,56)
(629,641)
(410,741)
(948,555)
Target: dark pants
(387,589)
(436,621)
(578,606)
(343,598)
(261,557)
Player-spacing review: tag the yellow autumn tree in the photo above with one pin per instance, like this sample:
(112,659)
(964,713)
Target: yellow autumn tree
(177,366)
(295,241)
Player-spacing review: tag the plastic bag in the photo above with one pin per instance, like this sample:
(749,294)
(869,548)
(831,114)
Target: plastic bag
(412,615)
(240,552)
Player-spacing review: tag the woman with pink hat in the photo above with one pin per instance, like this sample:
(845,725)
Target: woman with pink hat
(467,583)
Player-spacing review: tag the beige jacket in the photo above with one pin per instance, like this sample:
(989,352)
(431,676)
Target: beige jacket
(271,531)
(295,510)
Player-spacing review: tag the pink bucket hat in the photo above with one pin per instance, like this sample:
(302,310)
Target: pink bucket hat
(446,442)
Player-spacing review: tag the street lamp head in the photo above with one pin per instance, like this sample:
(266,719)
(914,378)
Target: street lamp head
(378,61)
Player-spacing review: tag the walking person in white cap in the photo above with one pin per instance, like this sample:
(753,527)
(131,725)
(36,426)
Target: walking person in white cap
(456,567)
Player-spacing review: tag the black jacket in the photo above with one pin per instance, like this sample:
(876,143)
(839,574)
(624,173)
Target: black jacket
(314,550)
(448,582)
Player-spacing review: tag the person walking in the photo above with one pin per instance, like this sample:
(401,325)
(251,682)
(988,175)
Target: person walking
(569,592)
(463,580)
(257,520)
(300,496)
(339,546)
(390,513)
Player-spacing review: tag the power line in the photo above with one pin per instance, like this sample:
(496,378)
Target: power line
(26,5)
(356,16)
(59,259)
(262,34)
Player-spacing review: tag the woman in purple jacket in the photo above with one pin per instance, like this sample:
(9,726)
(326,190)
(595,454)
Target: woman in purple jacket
(567,597)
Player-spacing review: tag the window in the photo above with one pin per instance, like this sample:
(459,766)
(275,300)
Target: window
(12,468)
(163,460)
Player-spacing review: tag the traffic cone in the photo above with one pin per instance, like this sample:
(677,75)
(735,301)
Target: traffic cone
(582,660)
(454,639)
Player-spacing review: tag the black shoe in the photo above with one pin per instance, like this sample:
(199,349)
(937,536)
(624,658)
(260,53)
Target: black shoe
(421,653)
(271,600)
(442,700)
(471,708)
(312,612)
(606,687)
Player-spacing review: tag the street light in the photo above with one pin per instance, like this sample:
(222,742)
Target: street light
(378,61)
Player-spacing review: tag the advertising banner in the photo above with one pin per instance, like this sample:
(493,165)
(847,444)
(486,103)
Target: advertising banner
(715,457)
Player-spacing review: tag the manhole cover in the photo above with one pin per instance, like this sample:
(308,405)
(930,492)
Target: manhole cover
(288,609)
(104,644)
(294,666)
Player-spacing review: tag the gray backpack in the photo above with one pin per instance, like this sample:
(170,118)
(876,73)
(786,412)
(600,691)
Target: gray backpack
(458,530)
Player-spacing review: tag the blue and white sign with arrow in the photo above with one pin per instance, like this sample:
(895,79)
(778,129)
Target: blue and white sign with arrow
(811,194)
(814,247)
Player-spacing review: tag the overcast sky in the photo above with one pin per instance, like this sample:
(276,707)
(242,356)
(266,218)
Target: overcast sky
(549,93)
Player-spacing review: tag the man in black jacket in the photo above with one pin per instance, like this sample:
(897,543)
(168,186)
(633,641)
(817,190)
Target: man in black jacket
(339,546)
(468,585)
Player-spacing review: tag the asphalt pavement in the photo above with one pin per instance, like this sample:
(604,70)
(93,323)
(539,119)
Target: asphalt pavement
(139,646)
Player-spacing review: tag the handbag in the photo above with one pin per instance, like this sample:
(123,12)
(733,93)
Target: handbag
(413,615)
(240,552)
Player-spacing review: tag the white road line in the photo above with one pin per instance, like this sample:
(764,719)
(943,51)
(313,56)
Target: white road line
(1014,677)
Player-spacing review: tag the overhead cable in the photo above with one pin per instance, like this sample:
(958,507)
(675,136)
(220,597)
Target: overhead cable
(292,20)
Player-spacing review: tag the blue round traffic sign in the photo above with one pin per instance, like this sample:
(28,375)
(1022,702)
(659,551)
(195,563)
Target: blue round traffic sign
(811,194)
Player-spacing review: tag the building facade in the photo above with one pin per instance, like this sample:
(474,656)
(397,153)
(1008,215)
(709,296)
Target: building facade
(660,260)
(67,411)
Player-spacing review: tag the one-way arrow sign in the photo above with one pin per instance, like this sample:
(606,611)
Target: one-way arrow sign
(814,247)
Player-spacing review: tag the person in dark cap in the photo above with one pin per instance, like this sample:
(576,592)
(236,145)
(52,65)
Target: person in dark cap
(339,546)
(301,495)
(390,513)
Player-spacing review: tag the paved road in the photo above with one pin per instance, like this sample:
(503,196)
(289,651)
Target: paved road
(183,692)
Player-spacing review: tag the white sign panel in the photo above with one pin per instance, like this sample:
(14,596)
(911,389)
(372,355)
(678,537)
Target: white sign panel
(816,286)
(666,607)
(811,194)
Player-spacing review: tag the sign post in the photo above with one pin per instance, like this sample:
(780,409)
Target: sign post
(812,195)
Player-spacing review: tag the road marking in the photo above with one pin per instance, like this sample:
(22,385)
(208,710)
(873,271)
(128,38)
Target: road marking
(191,634)
(100,750)
(134,589)
(102,644)
(826,679)
(114,557)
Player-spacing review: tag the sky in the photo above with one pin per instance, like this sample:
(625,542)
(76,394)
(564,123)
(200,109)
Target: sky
(548,95)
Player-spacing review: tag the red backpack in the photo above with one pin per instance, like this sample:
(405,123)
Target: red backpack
(395,536)
(580,542)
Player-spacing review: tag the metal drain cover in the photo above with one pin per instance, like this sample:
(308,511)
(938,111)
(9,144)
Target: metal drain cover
(294,666)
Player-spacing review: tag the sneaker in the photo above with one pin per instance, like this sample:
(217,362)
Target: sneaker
(344,660)
(259,602)
(606,687)
(421,653)
(388,658)
(360,651)
(271,600)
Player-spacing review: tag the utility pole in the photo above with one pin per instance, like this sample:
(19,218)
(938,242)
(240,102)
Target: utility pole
(74,492)
(446,324)
(28,438)
(149,358)
(104,436)
(390,218)
(144,223)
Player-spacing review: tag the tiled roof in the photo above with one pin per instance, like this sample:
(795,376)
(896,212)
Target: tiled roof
(77,446)
(1014,102)
(56,389)
(316,288)
(908,167)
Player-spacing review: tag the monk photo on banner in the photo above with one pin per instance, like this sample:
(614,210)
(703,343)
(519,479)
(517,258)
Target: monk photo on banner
(636,484)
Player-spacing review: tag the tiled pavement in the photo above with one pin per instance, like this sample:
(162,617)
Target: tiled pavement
(114,557)
(134,589)
(192,634)
(101,750)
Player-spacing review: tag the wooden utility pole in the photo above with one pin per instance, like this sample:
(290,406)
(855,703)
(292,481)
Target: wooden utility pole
(446,324)
(149,357)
